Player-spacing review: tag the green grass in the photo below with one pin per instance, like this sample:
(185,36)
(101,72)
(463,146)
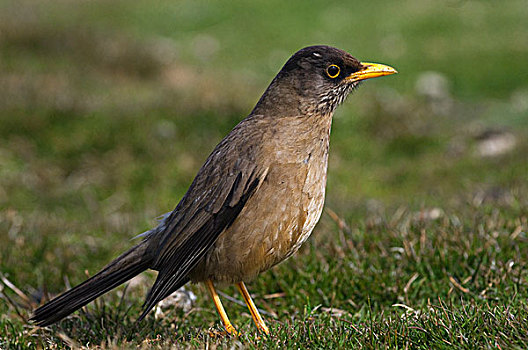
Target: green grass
(107,110)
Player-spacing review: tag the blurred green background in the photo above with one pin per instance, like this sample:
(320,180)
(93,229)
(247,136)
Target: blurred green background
(108,109)
(118,98)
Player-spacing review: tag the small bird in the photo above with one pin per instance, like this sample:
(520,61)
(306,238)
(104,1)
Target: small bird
(255,200)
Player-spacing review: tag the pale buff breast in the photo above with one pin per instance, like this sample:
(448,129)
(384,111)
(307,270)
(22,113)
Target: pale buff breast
(275,222)
(283,211)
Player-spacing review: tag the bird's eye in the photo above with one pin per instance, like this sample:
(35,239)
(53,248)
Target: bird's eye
(333,71)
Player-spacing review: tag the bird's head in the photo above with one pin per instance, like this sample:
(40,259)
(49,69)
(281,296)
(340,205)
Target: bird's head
(317,79)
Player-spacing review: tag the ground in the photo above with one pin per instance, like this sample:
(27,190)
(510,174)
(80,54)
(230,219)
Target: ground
(108,109)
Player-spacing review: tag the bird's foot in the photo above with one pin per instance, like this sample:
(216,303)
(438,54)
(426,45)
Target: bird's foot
(229,330)
(263,328)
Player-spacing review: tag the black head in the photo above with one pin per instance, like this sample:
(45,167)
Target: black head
(317,79)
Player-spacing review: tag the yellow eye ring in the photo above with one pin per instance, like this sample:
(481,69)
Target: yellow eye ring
(333,71)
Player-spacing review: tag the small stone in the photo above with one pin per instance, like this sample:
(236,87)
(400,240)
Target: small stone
(434,86)
(492,143)
(181,299)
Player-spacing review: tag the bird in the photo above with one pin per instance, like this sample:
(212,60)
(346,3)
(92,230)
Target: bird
(255,200)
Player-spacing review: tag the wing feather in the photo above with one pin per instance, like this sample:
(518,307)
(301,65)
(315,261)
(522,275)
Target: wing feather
(176,263)
(215,198)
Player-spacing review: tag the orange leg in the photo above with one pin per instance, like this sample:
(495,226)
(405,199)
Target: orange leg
(259,322)
(223,316)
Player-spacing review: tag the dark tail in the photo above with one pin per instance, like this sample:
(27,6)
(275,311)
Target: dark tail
(125,267)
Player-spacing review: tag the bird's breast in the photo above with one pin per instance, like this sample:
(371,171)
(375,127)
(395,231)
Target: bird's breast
(283,211)
(275,221)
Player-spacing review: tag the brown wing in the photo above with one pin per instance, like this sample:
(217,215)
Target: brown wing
(215,198)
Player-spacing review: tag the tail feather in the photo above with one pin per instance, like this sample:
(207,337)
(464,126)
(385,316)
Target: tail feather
(125,267)
(148,305)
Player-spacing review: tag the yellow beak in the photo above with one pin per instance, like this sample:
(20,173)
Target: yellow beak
(371,70)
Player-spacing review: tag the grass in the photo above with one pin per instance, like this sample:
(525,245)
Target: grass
(109,109)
